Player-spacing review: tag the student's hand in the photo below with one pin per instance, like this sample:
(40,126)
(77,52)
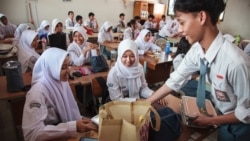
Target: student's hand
(85,125)
(149,52)
(163,102)
(203,120)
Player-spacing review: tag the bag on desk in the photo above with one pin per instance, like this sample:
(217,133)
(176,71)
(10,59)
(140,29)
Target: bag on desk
(170,126)
(126,121)
(98,63)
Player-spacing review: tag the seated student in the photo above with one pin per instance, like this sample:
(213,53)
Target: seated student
(145,46)
(50,110)
(129,32)
(70,21)
(27,54)
(121,26)
(105,35)
(162,22)
(57,28)
(91,22)
(43,30)
(170,29)
(19,31)
(78,21)
(80,50)
(190,88)
(126,80)
(7,29)
(150,24)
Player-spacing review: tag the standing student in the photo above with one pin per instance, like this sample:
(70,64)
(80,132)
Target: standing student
(27,54)
(126,80)
(105,36)
(91,22)
(129,32)
(80,50)
(145,46)
(121,25)
(228,68)
(19,31)
(7,29)
(50,110)
(70,21)
(43,30)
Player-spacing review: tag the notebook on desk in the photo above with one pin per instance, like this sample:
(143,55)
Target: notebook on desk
(58,40)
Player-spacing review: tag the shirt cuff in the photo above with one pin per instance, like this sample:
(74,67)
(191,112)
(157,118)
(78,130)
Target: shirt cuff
(242,114)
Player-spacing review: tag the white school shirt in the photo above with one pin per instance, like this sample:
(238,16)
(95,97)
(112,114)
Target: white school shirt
(162,23)
(148,24)
(229,75)
(120,91)
(128,33)
(7,30)
(70,23)
(89,23)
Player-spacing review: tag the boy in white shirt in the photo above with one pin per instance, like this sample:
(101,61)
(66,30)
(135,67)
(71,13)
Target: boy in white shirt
(70,22)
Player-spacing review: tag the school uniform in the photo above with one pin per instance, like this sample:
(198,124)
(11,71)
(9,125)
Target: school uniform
(104,35)
(145,46)
(92,24)
(128,33)
(50,111)
(6,30)
(75,50)
(229,76)
(162,23)
(27,55)
(127,83)
(69,22)
(247,49)
(168,30)
(42,32)
(18,33)
(148,24)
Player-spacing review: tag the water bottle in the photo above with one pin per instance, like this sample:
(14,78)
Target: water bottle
(167,48)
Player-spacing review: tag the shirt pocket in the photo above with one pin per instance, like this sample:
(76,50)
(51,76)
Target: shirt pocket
(222,90)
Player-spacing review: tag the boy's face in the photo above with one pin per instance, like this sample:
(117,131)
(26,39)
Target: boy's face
(191,26)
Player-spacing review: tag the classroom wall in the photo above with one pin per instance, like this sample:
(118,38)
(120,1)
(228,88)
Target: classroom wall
(236,18)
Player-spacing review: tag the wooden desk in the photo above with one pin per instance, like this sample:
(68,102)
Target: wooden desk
(111,46)
(158,68)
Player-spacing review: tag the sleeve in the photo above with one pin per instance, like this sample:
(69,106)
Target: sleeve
(114,88)
(34,116)
(140,51)
(154,47)
(127,34)
(32,62)
(67,23)
(241,73)
(74,58)
(100,37)
(85,23)
(145,91)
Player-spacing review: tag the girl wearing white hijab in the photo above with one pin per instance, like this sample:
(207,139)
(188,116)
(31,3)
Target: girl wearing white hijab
(80,50)
(126,80)
(19,31)
(7,29)
(43,30)
(50,111)
(27,54)
(145,46)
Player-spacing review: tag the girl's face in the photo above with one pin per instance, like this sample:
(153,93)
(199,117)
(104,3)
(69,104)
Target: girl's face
(46,27)
(187,22)
(34,43)
(64,74)
(147,37)
(78,38)
(128,58)
(59,28)
(109,29)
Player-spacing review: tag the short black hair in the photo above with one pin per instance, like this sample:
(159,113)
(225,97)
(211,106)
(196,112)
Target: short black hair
(213,7)
(91,14)
(131,22)
(137,18)
(163,16)
(151,16)
(70,12)
(78,17)
(122,14)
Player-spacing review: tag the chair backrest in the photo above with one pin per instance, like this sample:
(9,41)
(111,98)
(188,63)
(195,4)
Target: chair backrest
(161,43)
(100,89)
(58,40)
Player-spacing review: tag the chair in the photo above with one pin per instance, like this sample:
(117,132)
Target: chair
(161,42)
(79,104)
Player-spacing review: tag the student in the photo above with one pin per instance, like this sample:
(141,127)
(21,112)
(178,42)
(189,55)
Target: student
(27,54)
(91,22)
(170,29)
(145,46)
(121,26)
(50,110)
(19,31)
(129,32)
(126,80)
(162,22)
(7,29)
(70,21)
(78,21)
(80,50)
(228,73)
(43,30)
(105,36)
(138,25)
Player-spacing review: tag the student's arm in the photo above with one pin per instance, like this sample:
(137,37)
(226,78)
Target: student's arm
(160,93)
(77,59)
(154,47)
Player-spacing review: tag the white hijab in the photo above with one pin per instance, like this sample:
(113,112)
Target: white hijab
(54,23)
(1,15)
(47,72)
(103,35)
(140,40)
(43,24)
(132,74)
(19,31)
(25,51)
(81,30)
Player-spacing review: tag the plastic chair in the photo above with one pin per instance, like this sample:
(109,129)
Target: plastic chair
(161,42)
